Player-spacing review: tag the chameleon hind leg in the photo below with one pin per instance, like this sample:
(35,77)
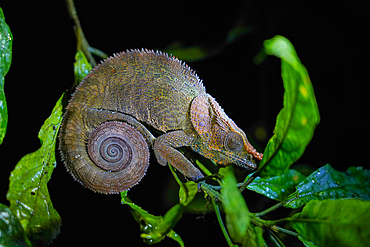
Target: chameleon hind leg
(165,151)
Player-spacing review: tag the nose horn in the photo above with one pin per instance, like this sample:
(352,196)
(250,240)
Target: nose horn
(253,151)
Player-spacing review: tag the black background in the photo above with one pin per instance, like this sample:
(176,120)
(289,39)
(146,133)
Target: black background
(331,39)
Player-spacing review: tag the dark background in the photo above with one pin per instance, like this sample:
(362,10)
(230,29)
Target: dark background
(331,39)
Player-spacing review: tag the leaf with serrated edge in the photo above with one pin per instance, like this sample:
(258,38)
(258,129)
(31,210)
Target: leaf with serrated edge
(6,40)
(28,193)
(327,183)
(296,122)
(343,222)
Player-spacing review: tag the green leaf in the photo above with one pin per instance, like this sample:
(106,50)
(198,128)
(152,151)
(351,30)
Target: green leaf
(296,122)
(343,222)
(6,40)
(189,54)
(81,67)
(327,183)
(173,235)
(11,230)
(170,219)
(254,237)
(279,187)
(187,192)
(199,206)
(307,242)
(28,193)
(236,210)
(259,236)
(203,168)
(155,228)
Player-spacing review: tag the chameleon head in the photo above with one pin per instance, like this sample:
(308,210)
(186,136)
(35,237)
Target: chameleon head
(220,139)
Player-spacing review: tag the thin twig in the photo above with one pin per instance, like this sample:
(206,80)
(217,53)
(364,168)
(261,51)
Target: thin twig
(250,180)
(275,239)
(222,225)
(211,192)
(82,43)
(287,231)
(98,52)
(269,210)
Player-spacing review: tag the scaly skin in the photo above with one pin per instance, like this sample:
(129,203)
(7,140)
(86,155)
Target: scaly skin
(158,91)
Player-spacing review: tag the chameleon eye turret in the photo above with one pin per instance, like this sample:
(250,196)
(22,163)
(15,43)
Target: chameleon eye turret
(233,142)
(104,137)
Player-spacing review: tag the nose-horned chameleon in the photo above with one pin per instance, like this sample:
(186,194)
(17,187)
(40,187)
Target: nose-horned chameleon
(152,89)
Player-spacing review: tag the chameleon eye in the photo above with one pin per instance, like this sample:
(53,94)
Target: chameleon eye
(233,142)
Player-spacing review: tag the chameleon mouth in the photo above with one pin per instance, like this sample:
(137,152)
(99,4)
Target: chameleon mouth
(247,163)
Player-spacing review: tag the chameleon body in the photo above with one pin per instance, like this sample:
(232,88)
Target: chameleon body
(152,90)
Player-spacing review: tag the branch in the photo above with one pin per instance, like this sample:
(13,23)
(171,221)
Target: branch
(82,43)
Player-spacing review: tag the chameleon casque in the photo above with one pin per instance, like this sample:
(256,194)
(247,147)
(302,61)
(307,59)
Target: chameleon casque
(105,137)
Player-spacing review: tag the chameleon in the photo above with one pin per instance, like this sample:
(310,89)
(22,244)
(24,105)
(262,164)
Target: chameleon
(164,100)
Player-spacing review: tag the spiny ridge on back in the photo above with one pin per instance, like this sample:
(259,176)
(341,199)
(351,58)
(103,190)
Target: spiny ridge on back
(184,68)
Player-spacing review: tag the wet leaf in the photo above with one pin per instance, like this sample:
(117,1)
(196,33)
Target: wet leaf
(296,122)
(81,67)
(155,228)
(6,40)
(279,187)
(28,193)
(343,222)
(236,210)
(11,230)
(327,183)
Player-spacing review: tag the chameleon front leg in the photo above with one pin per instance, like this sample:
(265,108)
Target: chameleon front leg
(165,151)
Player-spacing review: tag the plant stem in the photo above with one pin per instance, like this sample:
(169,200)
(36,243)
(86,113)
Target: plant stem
(275,239)
(287,231)
(273,208)
(203,168)
(175,175)
(219,187)
(82,43)
(215,196)
(223,228)
(246,183)
(98,52)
